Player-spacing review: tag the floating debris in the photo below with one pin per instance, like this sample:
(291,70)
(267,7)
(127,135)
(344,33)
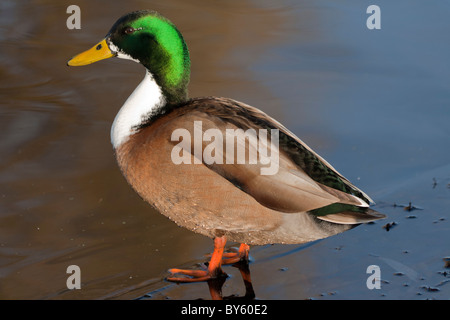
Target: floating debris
(283,269)
(444,273)
(434,183)
(331,293)
(443,282)
(399,274)
(430,289)
(390,225)
(410,207)
(447,262)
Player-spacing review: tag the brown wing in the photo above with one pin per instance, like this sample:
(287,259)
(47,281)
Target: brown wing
(287,176)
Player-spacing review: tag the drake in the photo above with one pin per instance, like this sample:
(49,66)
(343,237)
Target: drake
(303,200)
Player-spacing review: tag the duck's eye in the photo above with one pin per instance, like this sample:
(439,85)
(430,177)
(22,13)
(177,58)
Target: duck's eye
(129,30)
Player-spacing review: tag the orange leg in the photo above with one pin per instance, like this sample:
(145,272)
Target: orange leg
(241,255)
(214,268)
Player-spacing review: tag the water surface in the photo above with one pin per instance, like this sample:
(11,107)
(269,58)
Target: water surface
(373,103)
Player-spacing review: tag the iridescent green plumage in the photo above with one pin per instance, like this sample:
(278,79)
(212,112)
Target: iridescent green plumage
(157,44)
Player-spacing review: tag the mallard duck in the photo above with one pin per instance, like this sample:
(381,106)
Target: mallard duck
(214,165)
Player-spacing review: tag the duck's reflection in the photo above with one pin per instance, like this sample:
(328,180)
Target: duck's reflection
(215,285)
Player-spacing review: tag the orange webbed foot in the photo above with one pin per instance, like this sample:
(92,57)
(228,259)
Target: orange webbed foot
(194,275)
(214,267)
(237,256)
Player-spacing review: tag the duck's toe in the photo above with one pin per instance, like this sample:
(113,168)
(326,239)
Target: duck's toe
(233,257)
(194,275)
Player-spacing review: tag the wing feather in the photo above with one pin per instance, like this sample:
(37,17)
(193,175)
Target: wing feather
(303,181)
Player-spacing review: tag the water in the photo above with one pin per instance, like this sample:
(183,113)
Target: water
(373,103)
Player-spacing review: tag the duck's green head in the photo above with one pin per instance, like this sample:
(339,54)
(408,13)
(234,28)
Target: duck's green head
(152,40)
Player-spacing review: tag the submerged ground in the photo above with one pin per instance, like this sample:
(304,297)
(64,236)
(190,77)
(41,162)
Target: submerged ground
(374,103)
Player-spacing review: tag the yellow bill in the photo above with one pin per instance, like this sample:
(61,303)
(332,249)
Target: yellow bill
(98,52)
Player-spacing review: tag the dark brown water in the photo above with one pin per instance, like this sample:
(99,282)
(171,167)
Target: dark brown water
(374,103)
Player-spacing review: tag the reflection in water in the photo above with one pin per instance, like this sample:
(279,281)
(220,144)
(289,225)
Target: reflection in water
(215,285)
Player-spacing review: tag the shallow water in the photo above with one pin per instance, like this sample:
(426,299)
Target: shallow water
(373,103)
